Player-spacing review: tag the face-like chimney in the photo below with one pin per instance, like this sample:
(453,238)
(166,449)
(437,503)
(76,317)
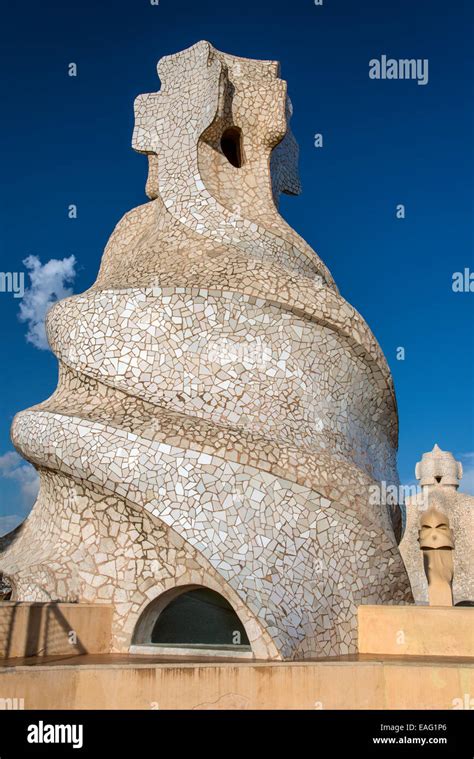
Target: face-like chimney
(438,469)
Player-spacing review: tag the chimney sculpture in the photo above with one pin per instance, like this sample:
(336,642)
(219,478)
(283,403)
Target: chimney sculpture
(221,411)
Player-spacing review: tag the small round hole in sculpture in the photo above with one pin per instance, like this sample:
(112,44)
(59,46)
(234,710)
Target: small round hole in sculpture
(231,146)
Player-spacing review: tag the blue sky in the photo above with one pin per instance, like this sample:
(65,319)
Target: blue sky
(67,140)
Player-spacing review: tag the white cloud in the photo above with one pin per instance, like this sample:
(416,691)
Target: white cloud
(48,284)
(13,467)
(9,522)
(467,482)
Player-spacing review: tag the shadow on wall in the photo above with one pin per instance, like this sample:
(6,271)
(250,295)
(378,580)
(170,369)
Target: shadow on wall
(36,630)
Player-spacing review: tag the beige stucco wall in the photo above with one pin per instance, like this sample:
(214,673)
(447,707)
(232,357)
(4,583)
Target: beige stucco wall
(34,629)
(420,677)
(279,685)
(416,630)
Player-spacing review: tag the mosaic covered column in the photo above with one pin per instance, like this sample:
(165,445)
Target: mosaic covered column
(222,413)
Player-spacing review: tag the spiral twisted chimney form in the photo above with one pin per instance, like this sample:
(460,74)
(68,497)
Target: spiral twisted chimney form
(222,412)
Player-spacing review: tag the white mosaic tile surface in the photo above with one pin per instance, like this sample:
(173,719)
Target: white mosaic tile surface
(221,410)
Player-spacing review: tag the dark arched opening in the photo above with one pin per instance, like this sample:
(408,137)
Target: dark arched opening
(200,617)
(191,617)
(231,146)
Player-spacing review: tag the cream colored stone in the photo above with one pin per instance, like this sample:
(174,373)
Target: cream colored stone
(436,542)
(440,475)
(369,684)
(416,631)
